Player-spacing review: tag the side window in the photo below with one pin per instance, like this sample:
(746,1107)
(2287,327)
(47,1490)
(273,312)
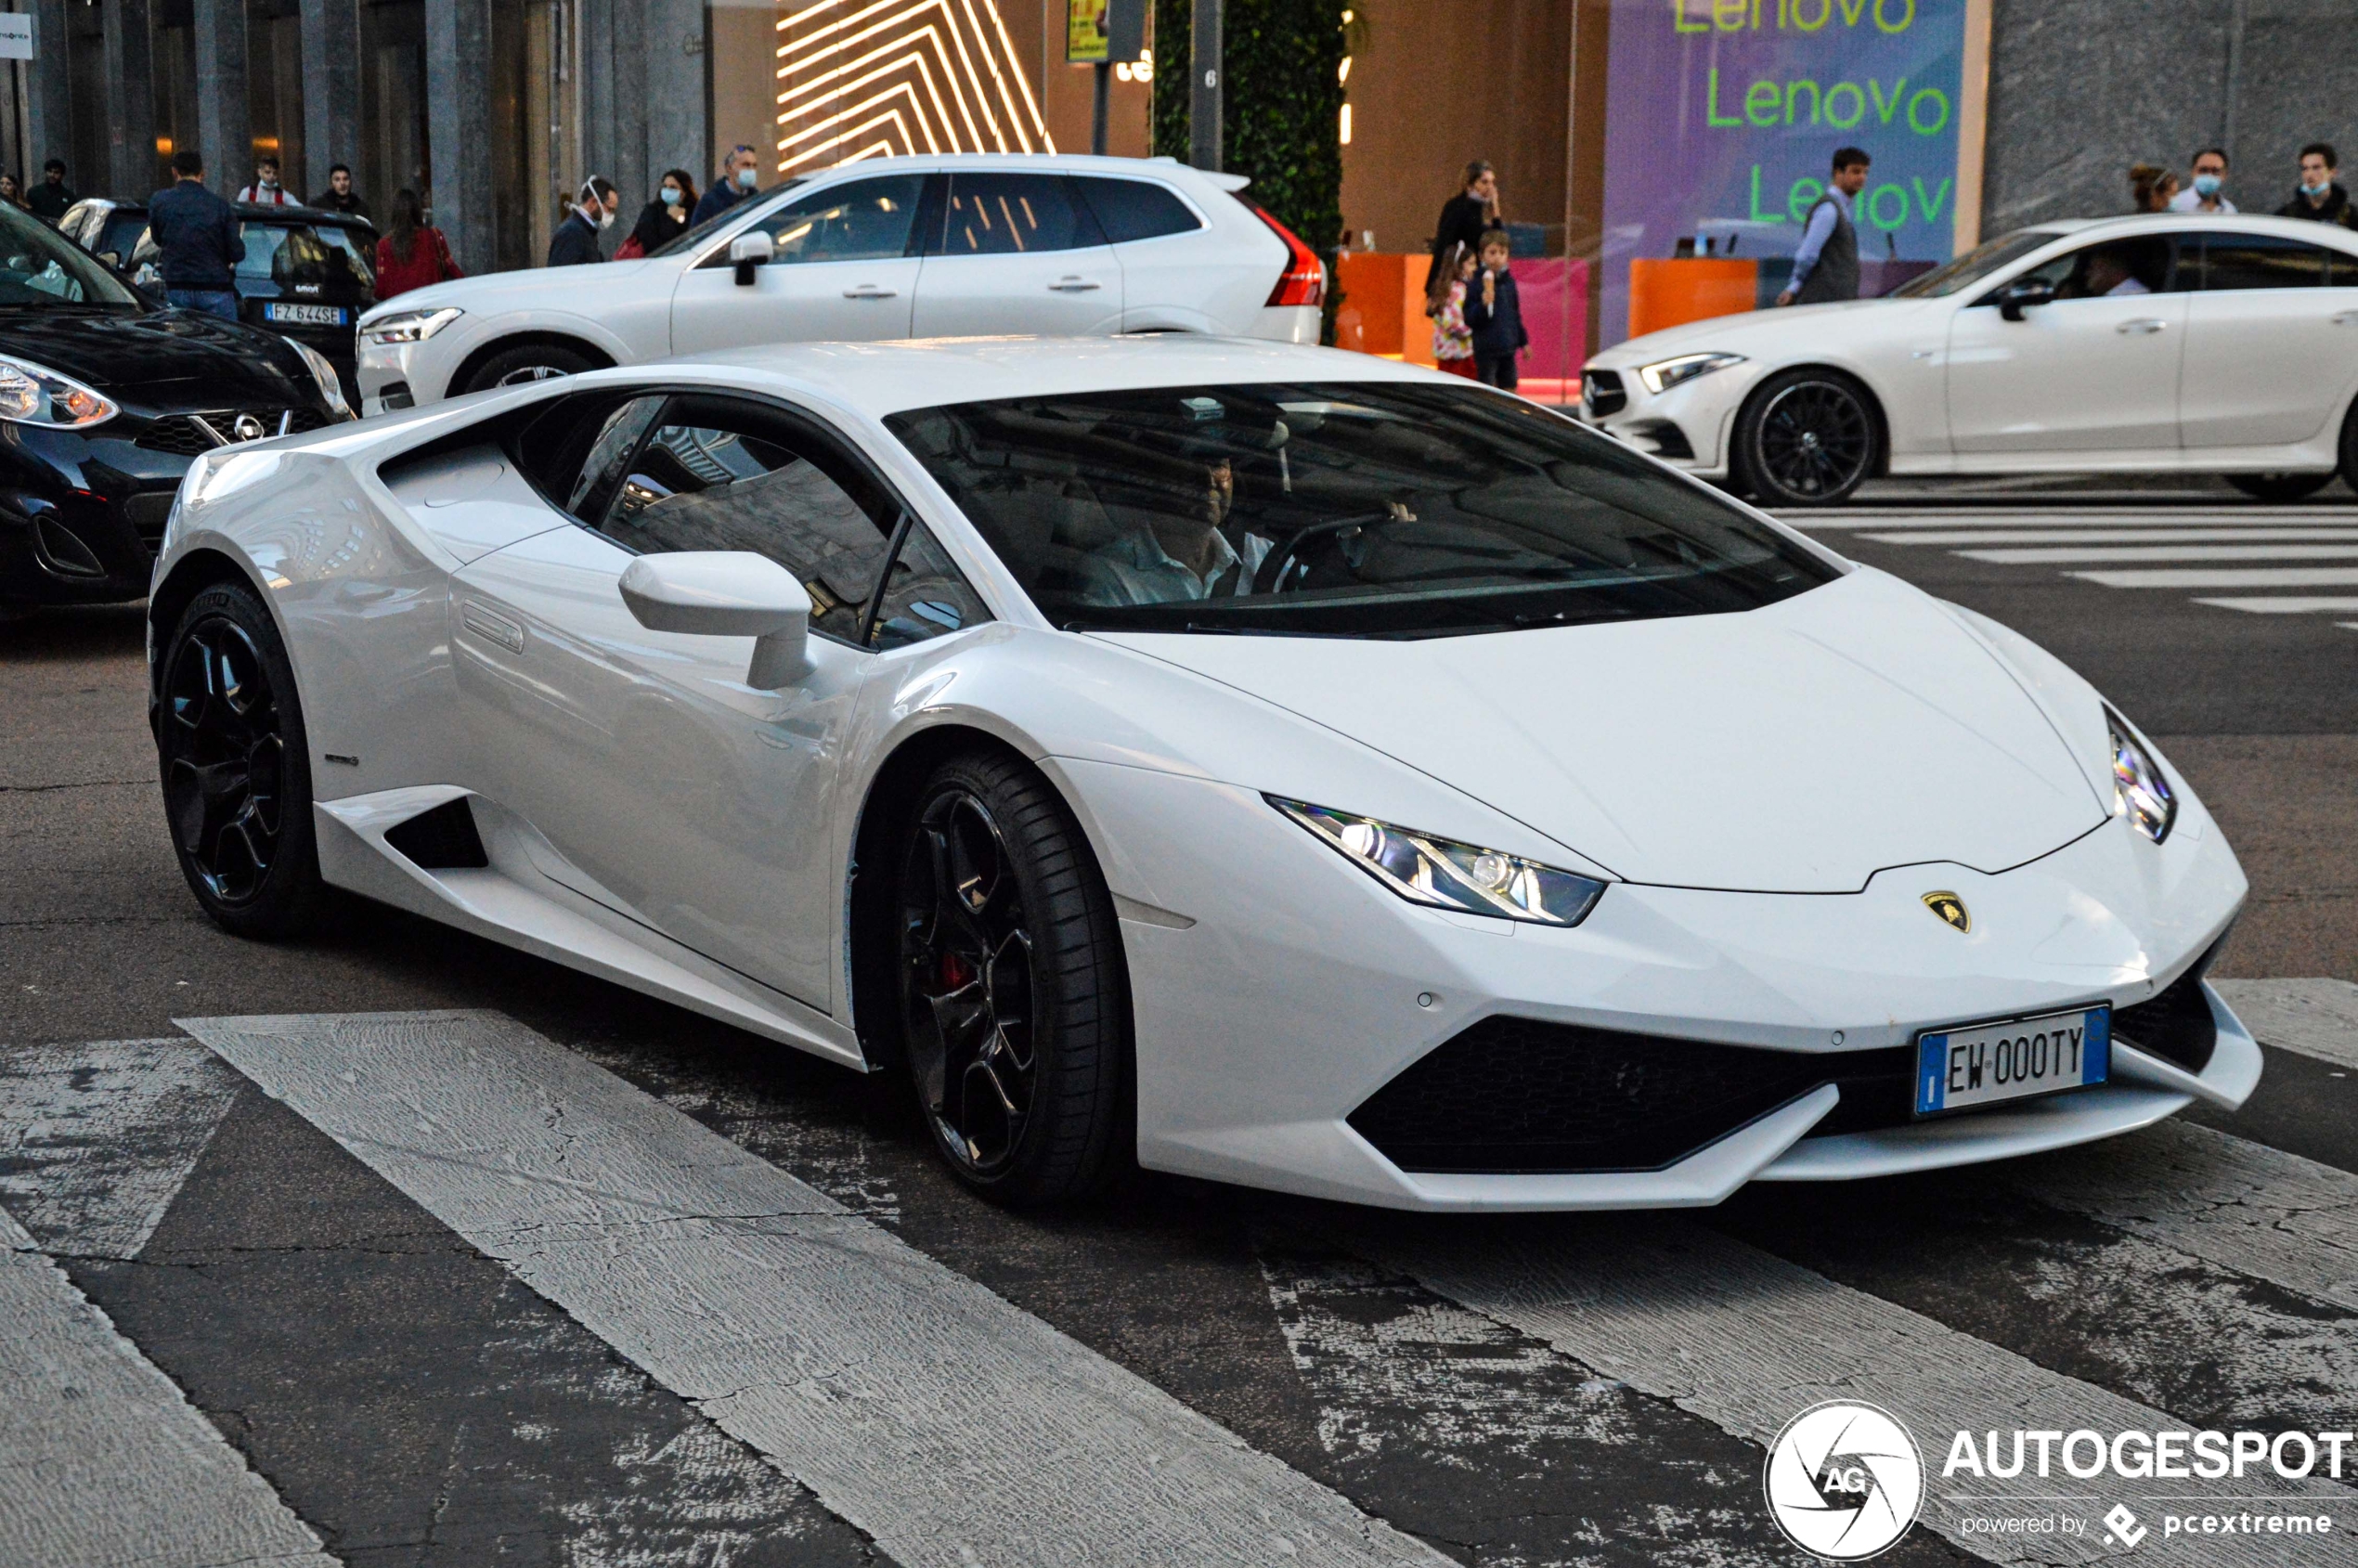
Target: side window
(925,595)
(1130,210)
(578,449)
(2139,265)
(867,220)
(2262,261)
(1013,215)
(715,473)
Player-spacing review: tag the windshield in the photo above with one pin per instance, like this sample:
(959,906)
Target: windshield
(324,254)
(1339,508)
(696,234)
(40,267)
(1975,265)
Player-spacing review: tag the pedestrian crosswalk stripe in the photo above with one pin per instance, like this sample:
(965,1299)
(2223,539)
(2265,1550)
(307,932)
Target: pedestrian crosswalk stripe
(2159,552)
(2284,604)
(2067,517)
(2316,1017)
(105,1460)
(2226,577)
(1748,1340)
(915,1405)
(2111,535)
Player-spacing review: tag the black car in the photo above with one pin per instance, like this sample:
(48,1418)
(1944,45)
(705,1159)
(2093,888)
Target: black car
(308,273)
(104,399)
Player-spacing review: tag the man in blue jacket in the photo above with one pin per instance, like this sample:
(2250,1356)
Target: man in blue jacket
(740,177)
(197,233)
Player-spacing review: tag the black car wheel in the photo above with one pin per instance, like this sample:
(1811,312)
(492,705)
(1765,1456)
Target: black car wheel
(528,362)
(2280,488)
(1012,1000)
(1806,438)
(237,779)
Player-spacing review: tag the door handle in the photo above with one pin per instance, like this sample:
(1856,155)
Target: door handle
(2143,326)
(869,291)
(1074,285)
(2345,318)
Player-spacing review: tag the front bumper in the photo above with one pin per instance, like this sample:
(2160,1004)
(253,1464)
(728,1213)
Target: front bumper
(1691,426)
(1298,988)
(80,516)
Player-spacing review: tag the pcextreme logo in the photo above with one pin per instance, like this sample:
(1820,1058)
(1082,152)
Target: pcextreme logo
(1843,1480)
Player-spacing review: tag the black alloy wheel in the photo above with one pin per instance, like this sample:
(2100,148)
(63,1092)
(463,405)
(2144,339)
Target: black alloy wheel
(1806,438)
(2279,488)
(237,784)
(526,363)
(1014,1013)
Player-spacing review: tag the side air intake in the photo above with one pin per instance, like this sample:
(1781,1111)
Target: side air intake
(442,839)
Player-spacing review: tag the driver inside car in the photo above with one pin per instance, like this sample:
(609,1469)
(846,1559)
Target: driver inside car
(1178,554)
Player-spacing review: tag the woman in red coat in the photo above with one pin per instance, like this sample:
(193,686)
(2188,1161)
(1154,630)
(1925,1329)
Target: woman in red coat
(413,253)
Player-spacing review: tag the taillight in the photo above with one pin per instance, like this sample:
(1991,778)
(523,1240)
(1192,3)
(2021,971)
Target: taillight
(1304,280)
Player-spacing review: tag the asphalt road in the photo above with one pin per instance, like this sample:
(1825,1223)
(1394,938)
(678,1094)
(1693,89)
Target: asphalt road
(416,1387)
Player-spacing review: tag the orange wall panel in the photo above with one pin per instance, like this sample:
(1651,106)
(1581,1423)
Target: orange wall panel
(1671,293)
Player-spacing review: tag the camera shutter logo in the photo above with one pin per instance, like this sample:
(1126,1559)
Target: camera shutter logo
(1843,1480)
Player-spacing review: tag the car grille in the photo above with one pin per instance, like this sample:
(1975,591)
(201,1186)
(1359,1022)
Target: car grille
(1601,392)
(1517,1094)
(183,435)
(2175,1022)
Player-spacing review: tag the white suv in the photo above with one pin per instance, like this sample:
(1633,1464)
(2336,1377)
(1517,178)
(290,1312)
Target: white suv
(885,248)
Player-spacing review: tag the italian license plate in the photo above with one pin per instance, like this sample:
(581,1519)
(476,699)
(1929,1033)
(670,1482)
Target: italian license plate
(305,315)
(1978,1064)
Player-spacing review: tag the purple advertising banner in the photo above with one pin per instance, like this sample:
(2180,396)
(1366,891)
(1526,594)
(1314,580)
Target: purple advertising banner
(1722,116)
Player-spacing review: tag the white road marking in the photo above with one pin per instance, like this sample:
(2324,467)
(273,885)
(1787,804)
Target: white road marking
(2065,517)
(2113,536)
(2253,1209)
(1748,1340)
(2159,552)
(2288,604)
(2204,576)
(2316,1018)
(915,1404)
(105,1460)
(97,1138)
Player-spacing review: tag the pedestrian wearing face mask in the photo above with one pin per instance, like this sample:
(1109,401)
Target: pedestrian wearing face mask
(2202,192)
(740,177)
(2320,197)
(664,219)
(266,188)
(577,238)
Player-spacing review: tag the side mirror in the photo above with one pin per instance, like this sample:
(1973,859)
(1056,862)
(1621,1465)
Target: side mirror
(726,594)
(753,248)
(2022,294)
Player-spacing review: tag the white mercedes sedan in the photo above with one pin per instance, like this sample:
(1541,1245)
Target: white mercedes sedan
(1267,763)
(2176,343)
(886,248)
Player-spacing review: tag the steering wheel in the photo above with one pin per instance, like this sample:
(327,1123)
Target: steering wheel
(1273,567)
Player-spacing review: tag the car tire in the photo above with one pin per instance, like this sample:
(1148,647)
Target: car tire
(237,775)
(528,362)
(2280,488)
(1012,993)
(2350,446)
(1806,438)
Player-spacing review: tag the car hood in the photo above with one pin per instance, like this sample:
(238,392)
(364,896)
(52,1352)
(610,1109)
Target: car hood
(1760,333)
(1797,748)
(155,355)
(539,288)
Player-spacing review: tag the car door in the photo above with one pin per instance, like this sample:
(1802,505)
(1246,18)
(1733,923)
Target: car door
(2089,372)
(674,792)
(1016,252)
(1174,274)
(845,270)
(2272,342)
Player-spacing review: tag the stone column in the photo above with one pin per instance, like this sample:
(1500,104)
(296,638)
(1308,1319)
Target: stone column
(332,96)
(225,117)
(676,135)
(131,100)
(459,128)
(50,82)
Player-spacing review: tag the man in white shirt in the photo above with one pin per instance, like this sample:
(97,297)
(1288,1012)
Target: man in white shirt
(2110,276)
(2202,192)
(266,188)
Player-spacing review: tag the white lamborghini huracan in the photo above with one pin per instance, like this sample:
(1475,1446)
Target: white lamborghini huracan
(1271,764)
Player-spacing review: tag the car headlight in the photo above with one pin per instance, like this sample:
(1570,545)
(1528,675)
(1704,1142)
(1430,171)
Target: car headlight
(409,325)
(330,385)
(1663,374)
(1446,874)
(32,394)
(2139,790)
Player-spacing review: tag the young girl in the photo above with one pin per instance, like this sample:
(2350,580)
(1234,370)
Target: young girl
(1452,339)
